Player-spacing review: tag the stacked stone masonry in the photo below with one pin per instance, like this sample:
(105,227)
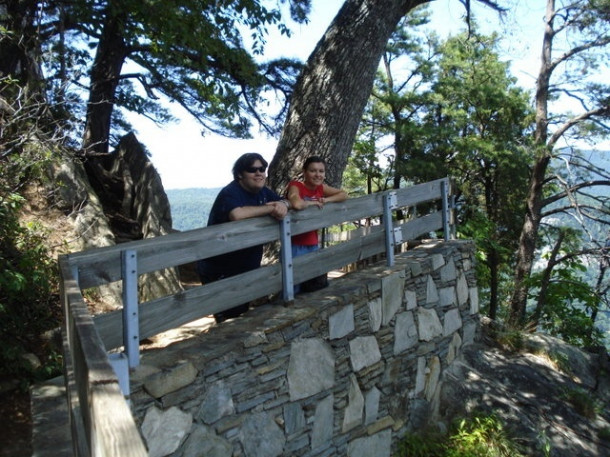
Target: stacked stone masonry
(345,371)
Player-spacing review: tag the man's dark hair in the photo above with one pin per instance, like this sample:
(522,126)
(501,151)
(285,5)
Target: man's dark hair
(246,161)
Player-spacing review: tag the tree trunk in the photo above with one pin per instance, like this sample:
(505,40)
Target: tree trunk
(105,76)
(20,46)
(493,264)
(546,281)
(333,89)
(533,215)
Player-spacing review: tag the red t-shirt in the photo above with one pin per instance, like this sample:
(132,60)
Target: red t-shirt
(308,238)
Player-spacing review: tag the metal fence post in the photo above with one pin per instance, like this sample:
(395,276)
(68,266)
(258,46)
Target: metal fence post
(389,204)
(446,208)
(131,324)
(286,260)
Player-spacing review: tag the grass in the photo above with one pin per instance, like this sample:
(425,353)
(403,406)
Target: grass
(477,436)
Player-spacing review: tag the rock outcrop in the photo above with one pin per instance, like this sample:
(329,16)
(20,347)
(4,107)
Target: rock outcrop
(134,206)
(552,397)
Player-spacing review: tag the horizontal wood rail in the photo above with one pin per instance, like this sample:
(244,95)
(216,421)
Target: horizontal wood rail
(101,420)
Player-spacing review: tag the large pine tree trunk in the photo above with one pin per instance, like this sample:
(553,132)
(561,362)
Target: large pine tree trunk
(334,87)
(105,76)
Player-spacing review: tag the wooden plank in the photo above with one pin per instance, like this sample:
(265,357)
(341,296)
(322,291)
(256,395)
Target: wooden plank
(102,424)
(337,256)
(115,433)
(101,266)
(77,426)
(421,226)
(354,209)
(166,313)
(419,193)
(347,235)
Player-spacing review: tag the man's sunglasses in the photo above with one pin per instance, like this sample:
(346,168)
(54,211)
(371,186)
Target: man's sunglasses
(255,169)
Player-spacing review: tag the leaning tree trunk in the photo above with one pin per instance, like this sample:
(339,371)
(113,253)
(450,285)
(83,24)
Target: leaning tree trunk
(333,89)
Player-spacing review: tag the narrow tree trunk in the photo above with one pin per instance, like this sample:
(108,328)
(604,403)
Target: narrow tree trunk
(546,281)
(533,215)
(333,89)
(494,281)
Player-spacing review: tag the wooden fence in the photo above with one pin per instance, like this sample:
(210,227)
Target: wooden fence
(97,384)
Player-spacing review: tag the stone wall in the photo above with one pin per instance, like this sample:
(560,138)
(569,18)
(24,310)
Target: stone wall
(345,371)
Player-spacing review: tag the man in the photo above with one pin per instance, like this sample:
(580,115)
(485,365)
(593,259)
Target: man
(245,197)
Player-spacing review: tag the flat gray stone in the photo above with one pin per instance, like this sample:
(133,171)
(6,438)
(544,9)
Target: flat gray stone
(434,374)
(204,443)
(371,405)
(392,291)
(341,323)
(462,289)
(294,418)
(164,382)
(355,406)
(323,423)
(164,431)
(431,291)
(429,324)
(378,445)
(311,368)
(452,321)
(405,332)
(261,436)
(217,402)
(447,296)
(364,352)
(448,272)
(375,314)
(411,299)
(454,347)
(438,261)
(473,293)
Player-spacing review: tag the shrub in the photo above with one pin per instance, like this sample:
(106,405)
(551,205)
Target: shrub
(28,297)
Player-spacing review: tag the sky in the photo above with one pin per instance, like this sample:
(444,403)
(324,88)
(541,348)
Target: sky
(186,159)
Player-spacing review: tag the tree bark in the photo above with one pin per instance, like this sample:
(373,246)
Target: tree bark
(332,91)
(20,47)
(533,214)
(105,75)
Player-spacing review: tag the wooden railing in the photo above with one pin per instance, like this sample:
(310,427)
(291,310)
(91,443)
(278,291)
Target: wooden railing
(102,424)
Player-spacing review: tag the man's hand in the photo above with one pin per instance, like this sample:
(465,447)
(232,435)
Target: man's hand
(279,210)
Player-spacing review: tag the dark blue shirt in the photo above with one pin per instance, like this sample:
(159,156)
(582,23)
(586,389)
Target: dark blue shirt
(230,197)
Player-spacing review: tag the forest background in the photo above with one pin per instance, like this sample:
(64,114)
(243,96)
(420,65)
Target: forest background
(528,165)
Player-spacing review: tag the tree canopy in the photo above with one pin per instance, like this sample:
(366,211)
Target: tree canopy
(128,54)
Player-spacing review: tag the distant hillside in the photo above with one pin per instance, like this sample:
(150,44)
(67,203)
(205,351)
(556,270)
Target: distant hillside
(191,207)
